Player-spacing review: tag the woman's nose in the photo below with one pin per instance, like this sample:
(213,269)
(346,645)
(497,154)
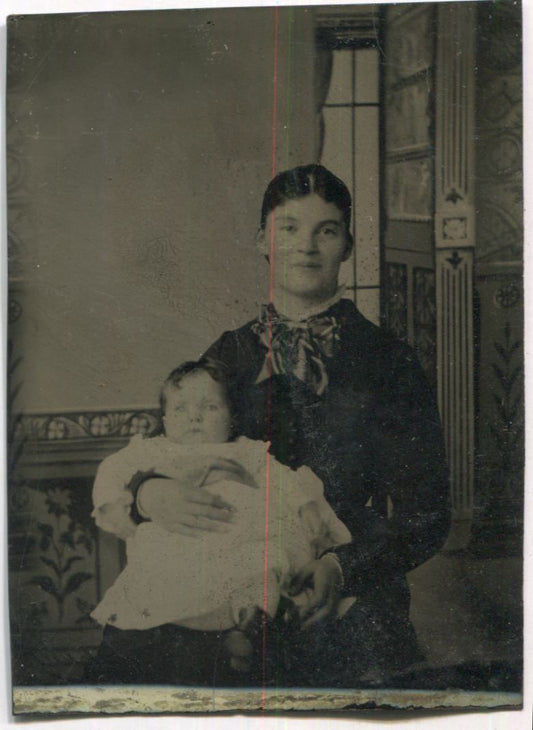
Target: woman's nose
(307,243)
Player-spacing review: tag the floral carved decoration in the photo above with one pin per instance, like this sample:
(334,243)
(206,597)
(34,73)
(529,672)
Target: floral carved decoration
(425,320)
(396,299)
(63,543)
(68,426)
(509,429)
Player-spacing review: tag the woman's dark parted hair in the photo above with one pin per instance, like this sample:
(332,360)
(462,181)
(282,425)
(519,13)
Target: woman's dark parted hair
(305,180)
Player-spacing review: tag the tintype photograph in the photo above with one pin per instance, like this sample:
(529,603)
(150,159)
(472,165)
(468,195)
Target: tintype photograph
(265,358)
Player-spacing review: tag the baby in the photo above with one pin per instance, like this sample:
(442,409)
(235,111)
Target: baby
(278,522)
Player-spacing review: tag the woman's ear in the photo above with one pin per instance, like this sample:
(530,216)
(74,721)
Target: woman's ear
(261,242)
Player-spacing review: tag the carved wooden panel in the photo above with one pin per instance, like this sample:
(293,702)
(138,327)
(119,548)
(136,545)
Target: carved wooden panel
(454,241)
(455,368)
(454,220)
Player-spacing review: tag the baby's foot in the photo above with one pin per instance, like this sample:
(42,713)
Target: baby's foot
(245,640)
(287,616)
(241,650)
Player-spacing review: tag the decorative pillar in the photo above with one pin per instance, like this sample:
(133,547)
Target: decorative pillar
(455,241)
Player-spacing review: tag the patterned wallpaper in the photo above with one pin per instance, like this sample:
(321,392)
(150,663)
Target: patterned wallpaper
(499,134)
(499,281)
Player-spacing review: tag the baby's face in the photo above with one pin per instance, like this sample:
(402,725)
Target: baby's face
(197,411)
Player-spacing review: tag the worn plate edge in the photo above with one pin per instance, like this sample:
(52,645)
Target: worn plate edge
(135,699)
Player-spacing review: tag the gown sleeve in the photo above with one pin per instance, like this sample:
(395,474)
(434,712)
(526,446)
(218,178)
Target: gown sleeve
(113,496)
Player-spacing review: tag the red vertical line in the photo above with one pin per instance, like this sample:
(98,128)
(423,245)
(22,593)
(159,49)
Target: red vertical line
(288,130)
(269,359)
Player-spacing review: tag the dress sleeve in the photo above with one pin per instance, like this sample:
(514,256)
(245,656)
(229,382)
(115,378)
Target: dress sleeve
(222,350)
(409,467)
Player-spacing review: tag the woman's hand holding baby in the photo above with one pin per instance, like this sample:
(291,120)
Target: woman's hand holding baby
(180,505)
(181,508)
(316,590)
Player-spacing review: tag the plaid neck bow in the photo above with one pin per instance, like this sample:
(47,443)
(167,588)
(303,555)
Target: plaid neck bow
(297,348)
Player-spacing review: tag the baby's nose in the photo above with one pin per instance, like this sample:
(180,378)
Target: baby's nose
(195,415)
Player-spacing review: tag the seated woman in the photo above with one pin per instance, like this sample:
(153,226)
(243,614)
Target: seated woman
(333,392)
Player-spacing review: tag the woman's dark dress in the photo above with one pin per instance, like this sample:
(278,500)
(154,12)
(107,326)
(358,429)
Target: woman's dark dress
(374,434)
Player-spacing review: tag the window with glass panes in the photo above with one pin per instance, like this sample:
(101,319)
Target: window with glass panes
(351,151)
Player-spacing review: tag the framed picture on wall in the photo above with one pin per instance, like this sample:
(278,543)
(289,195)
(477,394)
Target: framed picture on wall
(265,358)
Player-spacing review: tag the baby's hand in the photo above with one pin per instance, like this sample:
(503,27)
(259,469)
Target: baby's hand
(221,469)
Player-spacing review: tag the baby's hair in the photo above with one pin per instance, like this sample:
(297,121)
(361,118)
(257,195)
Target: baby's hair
(305,180)
(215,370)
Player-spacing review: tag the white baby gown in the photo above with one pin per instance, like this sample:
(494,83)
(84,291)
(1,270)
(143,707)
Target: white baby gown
(278,527)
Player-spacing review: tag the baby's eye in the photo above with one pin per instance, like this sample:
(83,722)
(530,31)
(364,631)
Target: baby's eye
(212,407)
(179,409)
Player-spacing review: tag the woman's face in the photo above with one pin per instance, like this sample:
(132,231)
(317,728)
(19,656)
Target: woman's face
(305,240)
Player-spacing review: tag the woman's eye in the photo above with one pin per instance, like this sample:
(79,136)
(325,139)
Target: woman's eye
(288,228)
(330,231)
